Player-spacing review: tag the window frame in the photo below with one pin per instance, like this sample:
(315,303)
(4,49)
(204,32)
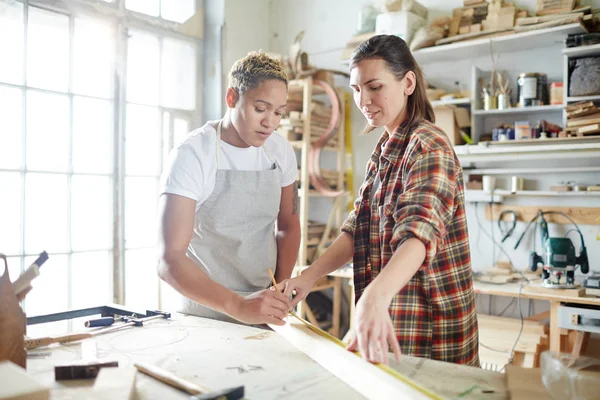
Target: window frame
(122,21)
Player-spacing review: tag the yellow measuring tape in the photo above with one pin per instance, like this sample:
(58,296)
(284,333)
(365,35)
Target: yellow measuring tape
(383,367)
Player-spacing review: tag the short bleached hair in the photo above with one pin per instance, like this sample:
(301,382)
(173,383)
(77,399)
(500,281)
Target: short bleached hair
(249,72)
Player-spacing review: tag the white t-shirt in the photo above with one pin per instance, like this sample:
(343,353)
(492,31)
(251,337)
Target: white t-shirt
(192,165)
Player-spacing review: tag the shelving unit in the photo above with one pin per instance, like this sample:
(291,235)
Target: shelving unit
(506,43)
(521,110)
(307,90)
(500,194)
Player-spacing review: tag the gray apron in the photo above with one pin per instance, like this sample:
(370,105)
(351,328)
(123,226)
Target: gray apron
(234,232)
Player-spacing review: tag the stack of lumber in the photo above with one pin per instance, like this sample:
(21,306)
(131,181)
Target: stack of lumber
(468,18)
(583,118)
(551,7)
(501,15)
(291,126)
(497,336)
(548,20)
(504,18)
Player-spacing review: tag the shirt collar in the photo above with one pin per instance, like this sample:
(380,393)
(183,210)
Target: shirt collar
(390,148)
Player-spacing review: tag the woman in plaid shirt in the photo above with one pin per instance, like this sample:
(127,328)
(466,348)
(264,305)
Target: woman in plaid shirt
(407,235)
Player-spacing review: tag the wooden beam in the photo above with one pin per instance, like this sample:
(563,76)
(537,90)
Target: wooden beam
(581,215)
(115,384)
(362,376)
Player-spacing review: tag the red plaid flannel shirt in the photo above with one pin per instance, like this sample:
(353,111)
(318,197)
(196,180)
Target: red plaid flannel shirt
(421,195)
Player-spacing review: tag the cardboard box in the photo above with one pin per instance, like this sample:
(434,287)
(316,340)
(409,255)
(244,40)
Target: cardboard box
(402,24)
(446,120)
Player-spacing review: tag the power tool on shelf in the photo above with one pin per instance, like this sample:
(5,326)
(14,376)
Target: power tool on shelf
(559,258)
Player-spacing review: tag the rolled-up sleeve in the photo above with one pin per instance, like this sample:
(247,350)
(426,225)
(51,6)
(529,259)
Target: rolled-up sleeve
(349,224)
(425,208)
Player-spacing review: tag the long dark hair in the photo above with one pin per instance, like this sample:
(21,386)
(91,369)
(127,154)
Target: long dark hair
(398,58)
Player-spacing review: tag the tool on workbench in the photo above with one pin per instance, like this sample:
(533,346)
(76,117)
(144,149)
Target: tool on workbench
(559,255)
(72,337)
(24,280)
(337,341)
(87,368)
(199,392)
(107,321)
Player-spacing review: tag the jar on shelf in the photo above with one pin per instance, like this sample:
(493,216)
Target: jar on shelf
(556,93)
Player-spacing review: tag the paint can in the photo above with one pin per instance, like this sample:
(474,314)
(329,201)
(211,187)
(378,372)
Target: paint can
(532,89)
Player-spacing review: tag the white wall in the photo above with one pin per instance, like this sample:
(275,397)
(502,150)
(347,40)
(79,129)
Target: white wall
(246,29)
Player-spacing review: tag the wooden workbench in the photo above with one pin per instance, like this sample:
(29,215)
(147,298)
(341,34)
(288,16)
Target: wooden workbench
(512,290)
(218,355)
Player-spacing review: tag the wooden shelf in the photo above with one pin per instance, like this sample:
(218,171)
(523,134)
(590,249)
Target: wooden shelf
(455,102)
(520,110)
(475,48)
(535,149)
(582,51)
(499,194)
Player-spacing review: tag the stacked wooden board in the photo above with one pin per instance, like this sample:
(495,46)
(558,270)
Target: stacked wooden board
(583,118)
(498,335)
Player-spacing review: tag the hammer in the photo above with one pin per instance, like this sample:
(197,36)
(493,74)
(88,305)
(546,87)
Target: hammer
(198,392)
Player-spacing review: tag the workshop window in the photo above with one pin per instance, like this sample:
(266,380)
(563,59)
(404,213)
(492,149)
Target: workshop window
(71,174)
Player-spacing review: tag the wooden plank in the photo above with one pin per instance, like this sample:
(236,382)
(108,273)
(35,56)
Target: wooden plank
(536,288)
(362,376)
(525,384)
(115,384)
(581,215)
(18,384)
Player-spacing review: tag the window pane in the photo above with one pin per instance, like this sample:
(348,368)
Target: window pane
(142,140)
(93,58)
(141,196)
(91,213)
(11,41)
(149,7)
(92,135)
(177,10)
(10,213)
(11,126)
(50,289)
(178,74)
(48,329)
(143,58)
(141,279)
(45,213)
(47,50)
(181,128)
(90,279)
(47,131)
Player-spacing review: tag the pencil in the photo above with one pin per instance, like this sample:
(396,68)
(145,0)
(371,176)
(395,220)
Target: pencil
(273,279)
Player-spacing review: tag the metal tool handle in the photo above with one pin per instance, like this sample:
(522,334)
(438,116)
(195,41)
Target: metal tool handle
(106,321)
